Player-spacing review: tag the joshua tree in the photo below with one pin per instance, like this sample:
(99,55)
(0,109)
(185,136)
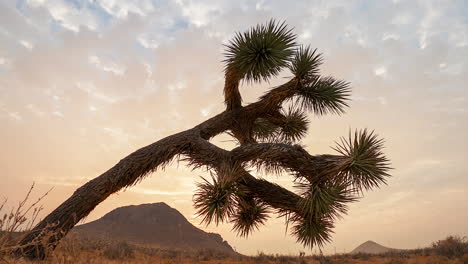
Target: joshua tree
(267,133)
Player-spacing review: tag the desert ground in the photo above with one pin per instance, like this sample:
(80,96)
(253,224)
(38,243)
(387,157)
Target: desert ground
(69,253)
(85,244)
(75,249)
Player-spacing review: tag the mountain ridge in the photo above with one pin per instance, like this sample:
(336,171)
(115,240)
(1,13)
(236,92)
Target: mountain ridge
(155,225)
(371,247)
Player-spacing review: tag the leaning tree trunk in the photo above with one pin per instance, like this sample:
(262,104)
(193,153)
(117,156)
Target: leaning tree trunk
(194,144)
(128,172)
(132,168)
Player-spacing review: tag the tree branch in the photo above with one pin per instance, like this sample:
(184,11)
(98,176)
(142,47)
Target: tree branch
(203,153)
(125,173)
(291,157)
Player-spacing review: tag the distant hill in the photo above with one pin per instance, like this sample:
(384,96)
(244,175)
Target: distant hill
(155,225)
(370,247)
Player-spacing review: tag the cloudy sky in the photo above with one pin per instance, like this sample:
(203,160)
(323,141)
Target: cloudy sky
(85,82)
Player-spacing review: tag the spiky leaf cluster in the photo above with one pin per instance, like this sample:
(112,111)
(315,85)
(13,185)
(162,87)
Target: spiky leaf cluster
(321,205)
(361,166)
(264,130)
(261,52)
(312,232)
(224,199)
(324,95)
(249,215)
(294,126)
(325,199)
(215,200)
(288,126)
(366,166)
(321,95)
(305,63)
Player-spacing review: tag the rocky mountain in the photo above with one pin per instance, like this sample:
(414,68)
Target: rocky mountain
(370,247)
(155,225)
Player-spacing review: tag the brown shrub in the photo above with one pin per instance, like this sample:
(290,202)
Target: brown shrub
(451,247)
(119,250)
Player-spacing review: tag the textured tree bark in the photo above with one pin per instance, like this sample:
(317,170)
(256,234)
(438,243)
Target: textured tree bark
(193,143)
(232,96)
(128,172)
(293,157)
(140,163)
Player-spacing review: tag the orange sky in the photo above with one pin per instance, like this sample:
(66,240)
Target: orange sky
(83,84)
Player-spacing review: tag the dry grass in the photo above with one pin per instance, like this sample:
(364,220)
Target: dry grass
(17,220)
(78,256)
(77,250)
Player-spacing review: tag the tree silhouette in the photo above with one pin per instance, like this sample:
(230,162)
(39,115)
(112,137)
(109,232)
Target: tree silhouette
(267,133)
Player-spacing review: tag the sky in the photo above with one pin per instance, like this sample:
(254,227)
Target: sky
(85,83)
